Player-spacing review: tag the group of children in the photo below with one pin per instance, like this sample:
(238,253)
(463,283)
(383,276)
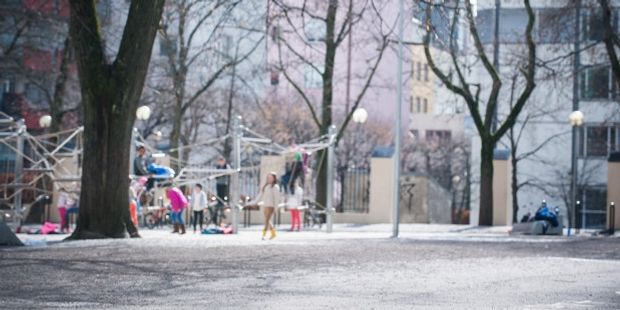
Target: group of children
(268,198)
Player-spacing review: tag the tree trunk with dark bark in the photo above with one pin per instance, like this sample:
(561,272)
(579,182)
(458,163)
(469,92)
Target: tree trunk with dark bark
(484,122)
(514,185)
(486,184)
(610,38)
(110,94)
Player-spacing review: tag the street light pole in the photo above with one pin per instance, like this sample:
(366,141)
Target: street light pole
(19,171)
(329,205)
(234,194)
(142,114)
(397,123)
(576,120)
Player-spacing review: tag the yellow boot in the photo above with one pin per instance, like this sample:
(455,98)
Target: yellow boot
(273,233)
(264,233)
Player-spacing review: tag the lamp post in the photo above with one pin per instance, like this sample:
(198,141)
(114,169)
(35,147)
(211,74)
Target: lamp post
(45,122)
(360,116)
(576,120)
(397,123)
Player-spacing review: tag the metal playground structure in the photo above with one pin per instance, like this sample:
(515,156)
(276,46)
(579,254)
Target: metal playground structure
(35,167)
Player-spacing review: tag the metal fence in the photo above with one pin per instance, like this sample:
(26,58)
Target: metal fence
(355,190)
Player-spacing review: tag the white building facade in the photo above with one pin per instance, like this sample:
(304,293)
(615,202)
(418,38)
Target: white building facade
(543,131)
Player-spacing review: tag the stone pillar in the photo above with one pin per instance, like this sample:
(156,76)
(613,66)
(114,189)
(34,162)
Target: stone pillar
(502,195)
(381,186)
(613,188)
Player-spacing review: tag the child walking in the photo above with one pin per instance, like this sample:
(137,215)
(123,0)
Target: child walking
(199,204)
(269,197)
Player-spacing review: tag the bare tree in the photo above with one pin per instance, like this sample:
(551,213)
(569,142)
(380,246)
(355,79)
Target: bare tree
(610,38)
(471,92)
(297,26)
(28,26)
(110,95)
(193,33)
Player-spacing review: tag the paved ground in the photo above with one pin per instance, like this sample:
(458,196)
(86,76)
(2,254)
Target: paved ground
(357,267)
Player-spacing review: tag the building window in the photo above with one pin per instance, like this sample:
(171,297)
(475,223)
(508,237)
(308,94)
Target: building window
(315,30)
(596,82)
(426,72)
(425,105)
(591,26)
(438,136)
(511,27)
(37,60)
(35,95)
(411,107)
(598,141)
(594,202)
(227,46)
(275,33)
(418,75)
(312,78)
(42,6)
(418,104)
(167,46)
(275,77)
(548,30)
(413,133)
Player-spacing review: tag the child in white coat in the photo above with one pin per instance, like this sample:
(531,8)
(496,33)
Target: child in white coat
(295,201)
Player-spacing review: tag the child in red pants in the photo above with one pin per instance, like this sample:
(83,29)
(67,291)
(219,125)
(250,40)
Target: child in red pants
(294,203)
(63,200)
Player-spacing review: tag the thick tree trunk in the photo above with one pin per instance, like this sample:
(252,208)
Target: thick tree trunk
(104,198)
(486,184)
(110,94)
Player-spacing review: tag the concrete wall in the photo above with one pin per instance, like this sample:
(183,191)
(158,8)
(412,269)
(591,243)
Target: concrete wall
(502,195)
(413,202)
(380,206)
(430,203)
(439,203)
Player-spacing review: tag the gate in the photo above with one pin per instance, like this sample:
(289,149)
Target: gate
(355,187)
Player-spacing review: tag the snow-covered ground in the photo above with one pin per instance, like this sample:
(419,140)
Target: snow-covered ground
(355,267)
(252,236)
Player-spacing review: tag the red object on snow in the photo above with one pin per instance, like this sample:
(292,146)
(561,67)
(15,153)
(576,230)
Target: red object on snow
(48,228)
(133,213)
